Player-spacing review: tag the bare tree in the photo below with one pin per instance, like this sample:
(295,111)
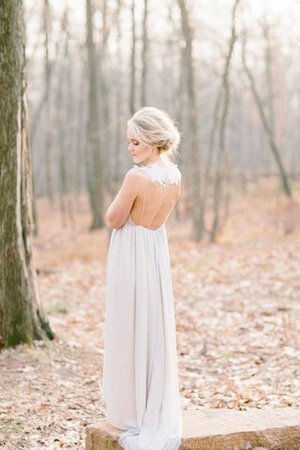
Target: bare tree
(104,74)
(222,108)
(259,104)
(80,171)
(63,127)
(94,143)
(21,314)
(118,104)
(197,213)
(145,55)
(37,114)
(133,68)
(266,29)
(48,131)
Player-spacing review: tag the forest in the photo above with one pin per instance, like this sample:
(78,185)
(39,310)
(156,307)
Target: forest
(71,75)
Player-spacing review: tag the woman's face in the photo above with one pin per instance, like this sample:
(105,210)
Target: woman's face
(139,151)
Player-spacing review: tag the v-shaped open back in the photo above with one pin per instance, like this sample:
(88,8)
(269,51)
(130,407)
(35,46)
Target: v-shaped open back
(162,185)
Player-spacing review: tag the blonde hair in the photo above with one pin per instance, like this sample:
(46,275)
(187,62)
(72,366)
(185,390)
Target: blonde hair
(153,126)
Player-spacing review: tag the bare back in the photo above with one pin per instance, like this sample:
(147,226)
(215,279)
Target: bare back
(162,187)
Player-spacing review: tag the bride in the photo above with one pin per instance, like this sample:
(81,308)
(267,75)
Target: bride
(140,385)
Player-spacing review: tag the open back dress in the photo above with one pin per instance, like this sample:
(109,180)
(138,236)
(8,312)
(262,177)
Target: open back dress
(140,386)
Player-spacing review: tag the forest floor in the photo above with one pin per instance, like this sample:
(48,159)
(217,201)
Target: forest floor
(237,315)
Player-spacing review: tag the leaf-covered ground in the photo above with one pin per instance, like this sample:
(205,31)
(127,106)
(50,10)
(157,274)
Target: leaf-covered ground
(237,314)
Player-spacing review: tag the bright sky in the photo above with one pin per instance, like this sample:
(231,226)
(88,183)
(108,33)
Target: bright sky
(275,7)
(214,14)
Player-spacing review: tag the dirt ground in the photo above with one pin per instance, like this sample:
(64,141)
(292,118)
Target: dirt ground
(237,316)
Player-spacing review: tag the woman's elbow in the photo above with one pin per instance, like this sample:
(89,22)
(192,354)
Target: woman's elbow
(113,224)
(109,219)
(112,221)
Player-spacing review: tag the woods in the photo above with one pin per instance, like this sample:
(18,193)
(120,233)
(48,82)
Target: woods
(70,78)
(130,61)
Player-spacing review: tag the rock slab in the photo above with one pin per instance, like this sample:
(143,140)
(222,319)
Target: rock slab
(219,429)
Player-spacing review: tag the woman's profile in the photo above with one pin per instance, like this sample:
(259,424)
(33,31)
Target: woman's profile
(140,385)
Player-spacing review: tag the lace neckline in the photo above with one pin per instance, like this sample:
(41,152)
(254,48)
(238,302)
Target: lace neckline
(164,175)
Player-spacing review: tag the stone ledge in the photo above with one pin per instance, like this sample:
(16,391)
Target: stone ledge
(220,429)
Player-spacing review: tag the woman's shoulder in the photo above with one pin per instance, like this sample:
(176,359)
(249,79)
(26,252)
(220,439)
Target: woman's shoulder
(133,175)
(174,174)
(175,167)
(165,174)
(134,172)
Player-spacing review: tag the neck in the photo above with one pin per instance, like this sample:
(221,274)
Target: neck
(156,160)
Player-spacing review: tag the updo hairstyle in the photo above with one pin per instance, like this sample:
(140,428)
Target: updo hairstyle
(152,126)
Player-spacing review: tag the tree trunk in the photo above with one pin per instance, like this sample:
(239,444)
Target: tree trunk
(222,166)
(61,144)
(117,157)
(94,142)
(48,131)
(133,48)
(145,55)
(21,315)
(197,216)
(104,89)
(274,149)
(64,119)
(80,173)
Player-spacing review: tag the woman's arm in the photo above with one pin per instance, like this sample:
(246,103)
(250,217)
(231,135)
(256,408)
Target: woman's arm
(119,209)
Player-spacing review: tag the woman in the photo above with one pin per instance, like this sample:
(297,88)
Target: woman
(140,380)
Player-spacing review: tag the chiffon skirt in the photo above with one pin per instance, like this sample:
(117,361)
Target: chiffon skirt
(140,385)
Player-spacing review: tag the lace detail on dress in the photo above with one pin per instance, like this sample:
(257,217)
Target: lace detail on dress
(164,175)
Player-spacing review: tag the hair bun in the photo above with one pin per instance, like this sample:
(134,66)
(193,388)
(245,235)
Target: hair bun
(153,126)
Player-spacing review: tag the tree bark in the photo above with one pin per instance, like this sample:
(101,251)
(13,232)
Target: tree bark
(21,315)
(145,55)
(223,106)
(48,153)
(197,213)
(104,89)
(274,149)
(116,176)
(133,50)
(94,141)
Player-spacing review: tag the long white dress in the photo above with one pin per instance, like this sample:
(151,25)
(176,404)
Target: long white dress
(140,386)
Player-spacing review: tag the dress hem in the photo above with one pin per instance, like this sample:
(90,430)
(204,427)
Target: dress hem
(113,424)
